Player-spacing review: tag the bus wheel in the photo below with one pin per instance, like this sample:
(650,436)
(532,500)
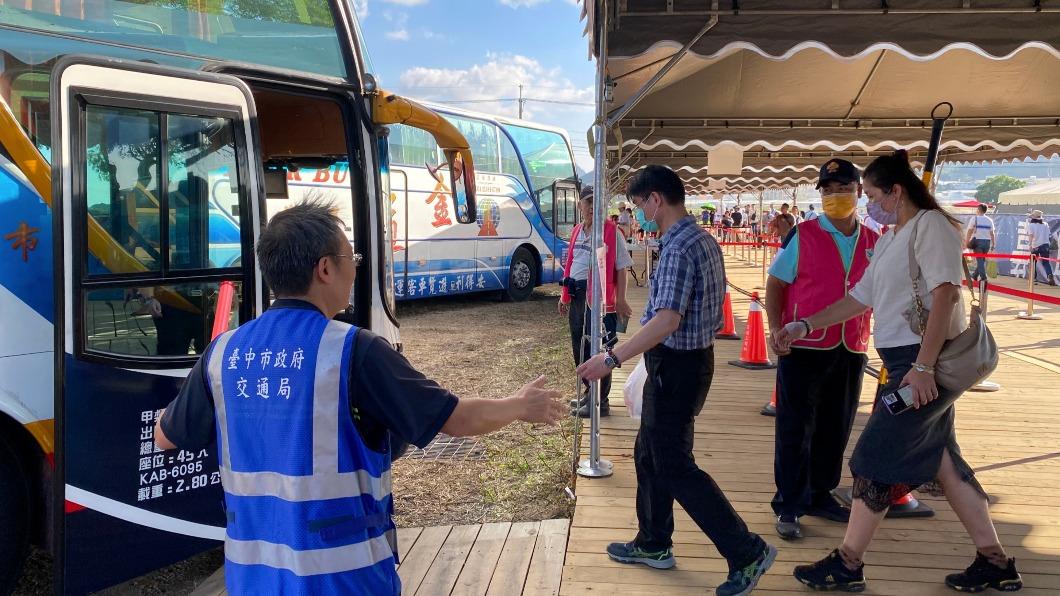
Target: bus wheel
(522,276)
(15,514)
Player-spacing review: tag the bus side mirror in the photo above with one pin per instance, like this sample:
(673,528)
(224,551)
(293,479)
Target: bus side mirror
(462,183)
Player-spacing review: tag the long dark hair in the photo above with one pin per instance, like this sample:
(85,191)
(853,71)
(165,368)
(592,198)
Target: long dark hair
(887,170)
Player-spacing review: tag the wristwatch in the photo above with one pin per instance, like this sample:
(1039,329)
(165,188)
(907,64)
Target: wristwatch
(611,361)
(923,368)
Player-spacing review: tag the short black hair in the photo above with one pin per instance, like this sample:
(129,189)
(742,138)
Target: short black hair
(660,179)
(293,242)
(981,208)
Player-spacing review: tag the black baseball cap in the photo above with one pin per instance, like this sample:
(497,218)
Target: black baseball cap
(840,170)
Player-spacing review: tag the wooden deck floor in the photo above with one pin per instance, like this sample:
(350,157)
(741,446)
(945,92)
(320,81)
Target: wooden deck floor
(1011,437)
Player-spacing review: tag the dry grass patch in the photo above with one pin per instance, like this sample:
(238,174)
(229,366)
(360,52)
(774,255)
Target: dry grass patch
(480,347)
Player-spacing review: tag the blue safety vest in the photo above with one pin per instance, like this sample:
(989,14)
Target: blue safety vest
(308,503)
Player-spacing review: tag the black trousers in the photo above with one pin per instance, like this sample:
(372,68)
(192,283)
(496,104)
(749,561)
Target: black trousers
(580,333)
(674,393)
(817,399)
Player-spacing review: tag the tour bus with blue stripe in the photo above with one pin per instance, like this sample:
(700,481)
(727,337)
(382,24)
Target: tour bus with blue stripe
(140,142)
(527,207)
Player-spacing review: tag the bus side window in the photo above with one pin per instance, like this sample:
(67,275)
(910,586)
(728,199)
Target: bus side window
(482,136)
(158,199)
(412,147)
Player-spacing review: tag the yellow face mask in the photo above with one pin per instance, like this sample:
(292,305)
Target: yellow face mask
(839,205)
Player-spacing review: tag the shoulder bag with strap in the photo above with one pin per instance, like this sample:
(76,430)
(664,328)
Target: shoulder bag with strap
(971,356)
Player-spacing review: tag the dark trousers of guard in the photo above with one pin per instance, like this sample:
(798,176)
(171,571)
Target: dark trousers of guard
(674,393)
(580,332)
(817,399)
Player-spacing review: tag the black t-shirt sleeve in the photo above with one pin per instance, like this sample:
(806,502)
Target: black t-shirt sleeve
(388,391)
(188,421)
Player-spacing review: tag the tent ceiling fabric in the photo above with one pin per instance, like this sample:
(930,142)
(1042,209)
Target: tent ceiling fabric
(795,82)
(918,27)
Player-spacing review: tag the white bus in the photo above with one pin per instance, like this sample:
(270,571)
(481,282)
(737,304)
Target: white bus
(527,207)
(138,143)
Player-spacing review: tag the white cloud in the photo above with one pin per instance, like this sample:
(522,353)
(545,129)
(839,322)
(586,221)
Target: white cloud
(497,79)
(407,2)
(360,7)
(400,20)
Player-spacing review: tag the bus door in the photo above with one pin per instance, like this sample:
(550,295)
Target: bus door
(147,278)
(564,218)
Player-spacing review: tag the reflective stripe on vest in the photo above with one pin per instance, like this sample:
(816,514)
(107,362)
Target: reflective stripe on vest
(326,482)
(327,522)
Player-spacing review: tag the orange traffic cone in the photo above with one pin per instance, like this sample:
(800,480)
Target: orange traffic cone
(770,409)
(754,355)
(728,329)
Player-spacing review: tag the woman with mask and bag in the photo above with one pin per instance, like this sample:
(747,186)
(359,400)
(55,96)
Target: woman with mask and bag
(932,352)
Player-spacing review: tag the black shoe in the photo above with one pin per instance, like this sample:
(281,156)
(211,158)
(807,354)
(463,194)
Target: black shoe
(741,582)
(788,527)
(626,552)
(983,574)
(581,401)
(830,509)
(605,410)
(831,574)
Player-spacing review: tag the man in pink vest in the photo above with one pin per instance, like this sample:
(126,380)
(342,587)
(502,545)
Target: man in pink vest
(577,292)
(819,377)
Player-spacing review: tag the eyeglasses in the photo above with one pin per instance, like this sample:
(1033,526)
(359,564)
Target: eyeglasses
(355,257)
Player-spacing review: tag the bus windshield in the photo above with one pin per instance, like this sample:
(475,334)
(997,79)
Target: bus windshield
(237,30)
(546,155)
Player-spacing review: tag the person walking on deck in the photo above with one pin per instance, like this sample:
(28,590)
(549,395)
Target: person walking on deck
(577,293)
(897,453)
(683,313)
(980,238)
(818,377)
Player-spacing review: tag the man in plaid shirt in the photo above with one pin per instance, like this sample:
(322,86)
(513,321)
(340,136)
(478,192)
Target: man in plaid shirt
(677,340)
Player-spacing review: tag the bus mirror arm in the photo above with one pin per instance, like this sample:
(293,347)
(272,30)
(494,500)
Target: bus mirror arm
(389,108)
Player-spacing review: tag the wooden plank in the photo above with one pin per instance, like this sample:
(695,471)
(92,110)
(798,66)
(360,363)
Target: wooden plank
(406,539)
(546,567)
(421,556)
(474,579)
(510,575)
(441,577)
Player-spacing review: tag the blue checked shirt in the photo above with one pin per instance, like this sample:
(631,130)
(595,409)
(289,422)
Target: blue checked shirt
(690,279)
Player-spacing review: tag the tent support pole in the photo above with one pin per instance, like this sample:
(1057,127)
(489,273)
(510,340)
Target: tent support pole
(594,466)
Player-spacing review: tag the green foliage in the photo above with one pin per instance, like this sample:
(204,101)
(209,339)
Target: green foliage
(993,186)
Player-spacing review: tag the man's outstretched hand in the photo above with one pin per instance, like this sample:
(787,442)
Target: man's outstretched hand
(540,405)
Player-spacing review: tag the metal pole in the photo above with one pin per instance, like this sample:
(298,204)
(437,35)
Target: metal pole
(594,466)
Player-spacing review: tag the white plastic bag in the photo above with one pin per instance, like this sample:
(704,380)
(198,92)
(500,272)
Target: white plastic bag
(633,391)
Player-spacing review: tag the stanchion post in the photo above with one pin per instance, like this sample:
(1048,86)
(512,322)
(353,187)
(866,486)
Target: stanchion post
(1032,272)
(764,252)
(986,385)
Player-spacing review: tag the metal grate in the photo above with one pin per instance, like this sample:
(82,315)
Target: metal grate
(454,448)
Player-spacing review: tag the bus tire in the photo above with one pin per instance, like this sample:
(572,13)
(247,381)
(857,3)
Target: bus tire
(15,515)
(522,276)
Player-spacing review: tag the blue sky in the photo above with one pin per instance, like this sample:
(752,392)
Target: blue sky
(475,50)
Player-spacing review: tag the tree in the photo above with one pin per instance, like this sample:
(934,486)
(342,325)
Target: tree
(988,191)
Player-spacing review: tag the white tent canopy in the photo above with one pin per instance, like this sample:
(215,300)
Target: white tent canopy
(1043,193)
(794,82)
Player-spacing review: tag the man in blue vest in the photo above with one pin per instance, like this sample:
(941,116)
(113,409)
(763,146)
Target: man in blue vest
(819,377)
(306,412)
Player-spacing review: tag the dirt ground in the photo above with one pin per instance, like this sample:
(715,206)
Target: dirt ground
(479,347)
(476,346)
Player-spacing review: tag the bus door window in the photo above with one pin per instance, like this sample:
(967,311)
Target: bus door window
(128,305)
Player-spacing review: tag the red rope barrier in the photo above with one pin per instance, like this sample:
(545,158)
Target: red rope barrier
(1021,294)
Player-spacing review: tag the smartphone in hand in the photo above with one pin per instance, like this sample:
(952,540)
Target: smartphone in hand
(899,401)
